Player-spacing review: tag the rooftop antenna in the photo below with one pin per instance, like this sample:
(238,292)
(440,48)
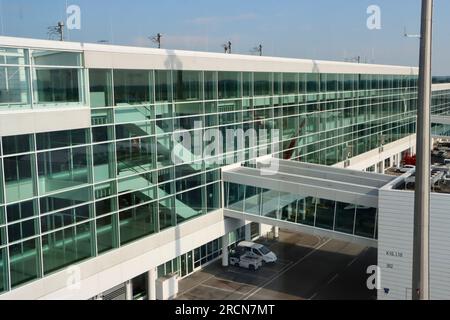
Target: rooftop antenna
(157,39)
(354,59)
(407,35)
(57,30)
(227,47)
(258,49)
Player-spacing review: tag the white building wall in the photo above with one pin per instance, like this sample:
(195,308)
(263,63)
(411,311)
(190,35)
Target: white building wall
(396,217)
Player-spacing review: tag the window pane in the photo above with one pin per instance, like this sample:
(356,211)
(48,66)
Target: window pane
(210,85)
(106,233)
(325,214)
(166,213)
(3,270)
(365,221)
(67,246)
(163,86)
(13,56)
(100,85)
(18,178)
(57,85)
(262,83)
(104,165)
(17,144)
(312,82)
(137,222)
(62,169)
(229,85)
(56,58)
(189,205)
(22,210)
(132,87)
(60,139)
(65,199)
(14,87)
(290,83)
(22,230)
(24,262)
(187,85)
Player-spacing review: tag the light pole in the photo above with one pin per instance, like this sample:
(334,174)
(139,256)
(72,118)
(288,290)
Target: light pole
(420,275)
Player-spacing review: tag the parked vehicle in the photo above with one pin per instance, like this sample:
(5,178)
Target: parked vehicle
(247,261)
(258,250)
(442,154)
(405,168)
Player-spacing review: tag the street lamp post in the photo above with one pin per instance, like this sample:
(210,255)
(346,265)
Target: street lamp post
(420,276)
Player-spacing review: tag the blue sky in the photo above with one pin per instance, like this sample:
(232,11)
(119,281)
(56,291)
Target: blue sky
(317,29)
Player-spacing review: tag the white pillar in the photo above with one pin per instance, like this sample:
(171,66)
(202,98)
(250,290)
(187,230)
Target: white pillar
(276,232)
(225,241)
(248,231)
(381,167)
(151,284)
(128,290)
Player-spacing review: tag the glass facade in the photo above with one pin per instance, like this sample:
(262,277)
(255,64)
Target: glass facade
(311,211)
(201,256)
(71,195)
(40,78)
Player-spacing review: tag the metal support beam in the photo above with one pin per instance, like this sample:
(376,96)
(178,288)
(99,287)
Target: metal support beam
(420,276)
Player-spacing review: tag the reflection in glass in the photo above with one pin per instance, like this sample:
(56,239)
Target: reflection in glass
(67,246)
(24,262)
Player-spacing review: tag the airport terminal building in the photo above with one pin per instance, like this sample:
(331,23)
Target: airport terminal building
(95,203)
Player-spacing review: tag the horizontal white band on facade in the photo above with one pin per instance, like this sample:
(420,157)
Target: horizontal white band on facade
(18,122)
(440,86)
(128,57)
(440,119)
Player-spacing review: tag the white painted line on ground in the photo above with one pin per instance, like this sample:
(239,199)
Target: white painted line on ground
(197,285)
(283,271)
(357,257)
(332,279)
(221,289)
(246,274)
(337,274)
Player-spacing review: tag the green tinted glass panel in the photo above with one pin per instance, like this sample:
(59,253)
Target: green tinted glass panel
(14,88)
(67,246)
(106,233)
(187,85)
(24,262)
(132,87)
(229,85)
(100,88)
(58,85)
(137,222)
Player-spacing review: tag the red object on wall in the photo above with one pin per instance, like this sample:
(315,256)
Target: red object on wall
(409,160)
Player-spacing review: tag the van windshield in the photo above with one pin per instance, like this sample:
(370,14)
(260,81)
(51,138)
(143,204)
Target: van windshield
(264,250)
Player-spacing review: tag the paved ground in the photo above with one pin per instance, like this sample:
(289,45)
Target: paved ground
(308,268)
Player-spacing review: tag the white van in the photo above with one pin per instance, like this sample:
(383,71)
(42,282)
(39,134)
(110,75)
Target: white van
(258,250)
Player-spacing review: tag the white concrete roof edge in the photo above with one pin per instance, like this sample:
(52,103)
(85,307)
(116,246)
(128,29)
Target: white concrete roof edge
(107,48)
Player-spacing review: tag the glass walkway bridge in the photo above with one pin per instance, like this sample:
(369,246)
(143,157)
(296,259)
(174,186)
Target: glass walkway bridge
(440,127)
(315,199)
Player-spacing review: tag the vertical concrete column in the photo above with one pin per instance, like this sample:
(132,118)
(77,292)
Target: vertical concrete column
(276,232)
(248,231)
(225,243)
(381,167)
(129,290)
(151,284)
